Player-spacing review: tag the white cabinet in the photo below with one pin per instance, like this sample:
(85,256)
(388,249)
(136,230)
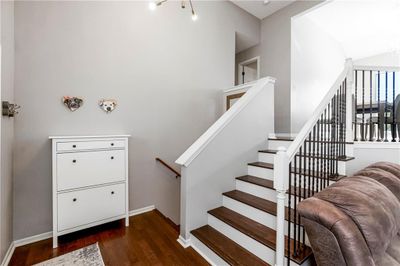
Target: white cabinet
(90,182)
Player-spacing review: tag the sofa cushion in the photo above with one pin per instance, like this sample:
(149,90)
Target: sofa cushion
(389,167)
(384,177)
(372,207)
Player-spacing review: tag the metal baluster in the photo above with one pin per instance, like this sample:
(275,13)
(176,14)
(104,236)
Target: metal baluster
(289,211)
(394,111)
(295,248)
(344,117)
(319,180)
(371,129)
(363,107)
(309,165)
(337,131)
(300,195)
(386,105)
(355,105)
(313,162)
(325,148)
(379,106)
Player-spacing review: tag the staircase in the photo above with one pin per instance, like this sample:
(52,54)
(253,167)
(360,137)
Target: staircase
(243,230)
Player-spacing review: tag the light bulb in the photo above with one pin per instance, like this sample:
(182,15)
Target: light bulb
(152,5)
(194,16)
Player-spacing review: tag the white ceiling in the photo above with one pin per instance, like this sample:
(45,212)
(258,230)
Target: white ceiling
(363,28)
(260,9)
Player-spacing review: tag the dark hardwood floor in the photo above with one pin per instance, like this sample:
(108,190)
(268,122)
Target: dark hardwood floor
(149,240)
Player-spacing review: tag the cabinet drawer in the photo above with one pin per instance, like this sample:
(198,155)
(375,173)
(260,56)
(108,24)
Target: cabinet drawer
(87,206)
(75,170)
(89,145)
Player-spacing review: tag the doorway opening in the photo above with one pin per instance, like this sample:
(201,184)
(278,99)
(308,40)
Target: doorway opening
(249,70)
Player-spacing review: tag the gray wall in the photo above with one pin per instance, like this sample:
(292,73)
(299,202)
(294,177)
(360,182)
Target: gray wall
(7,125)
(274,50)
(165,71)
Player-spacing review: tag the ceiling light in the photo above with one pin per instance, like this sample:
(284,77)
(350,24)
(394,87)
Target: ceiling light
(152,5)
(266,2)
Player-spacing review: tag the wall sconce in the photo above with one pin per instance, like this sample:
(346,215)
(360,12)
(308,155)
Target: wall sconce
(9,109)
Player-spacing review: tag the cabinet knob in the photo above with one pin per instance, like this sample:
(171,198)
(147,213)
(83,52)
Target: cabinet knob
(112,144)
(73,146)
(74,199)
(74,161)
(112,193)
(112,157)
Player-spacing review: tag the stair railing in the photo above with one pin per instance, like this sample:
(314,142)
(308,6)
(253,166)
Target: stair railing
(376,104)
(311,162)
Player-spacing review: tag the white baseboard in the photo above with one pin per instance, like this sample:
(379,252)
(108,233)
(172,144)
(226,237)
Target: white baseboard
(9,253)
(39,237)
(184,243)
(32,239)
(141,210)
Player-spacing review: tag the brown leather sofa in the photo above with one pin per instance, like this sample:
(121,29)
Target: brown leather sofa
(356,221)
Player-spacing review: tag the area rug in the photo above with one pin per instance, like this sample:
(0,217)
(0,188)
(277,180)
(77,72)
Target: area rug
(87,256)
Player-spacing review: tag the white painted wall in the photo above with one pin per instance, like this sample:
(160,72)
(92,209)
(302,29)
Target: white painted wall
(369,153)
(7,126)
(317,60)
(385,60)
(166,72)
(225,157)
(275,56)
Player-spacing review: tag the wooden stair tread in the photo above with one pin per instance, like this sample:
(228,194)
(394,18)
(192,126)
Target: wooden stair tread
(268,151)
(262,165)
(257,181)
(224,247)
(269,184)
(282,138)
(257,231)
(258,203)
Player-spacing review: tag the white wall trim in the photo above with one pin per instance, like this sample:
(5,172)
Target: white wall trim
(9,253)
(185,243)
(376,145)
(43,236)
(141,210)
(32,239)
(199,145)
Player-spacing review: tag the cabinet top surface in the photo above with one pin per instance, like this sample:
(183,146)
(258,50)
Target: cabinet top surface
(90,137)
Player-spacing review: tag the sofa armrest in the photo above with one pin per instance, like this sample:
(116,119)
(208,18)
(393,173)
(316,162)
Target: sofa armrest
(334,237)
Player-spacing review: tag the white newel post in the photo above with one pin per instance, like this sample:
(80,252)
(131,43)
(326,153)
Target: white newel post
(349,100)
(281,181)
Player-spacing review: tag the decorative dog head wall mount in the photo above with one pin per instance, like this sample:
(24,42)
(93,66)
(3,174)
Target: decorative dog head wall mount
(72,103)
(108,105)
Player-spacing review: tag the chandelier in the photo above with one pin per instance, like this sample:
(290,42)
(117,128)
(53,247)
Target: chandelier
(154,4)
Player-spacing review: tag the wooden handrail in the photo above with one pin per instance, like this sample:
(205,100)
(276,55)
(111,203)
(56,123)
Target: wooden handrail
(169,167)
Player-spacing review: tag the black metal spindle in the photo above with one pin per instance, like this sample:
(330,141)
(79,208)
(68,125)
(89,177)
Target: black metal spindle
(379,108)
(363,107)
(309,165)
(355,104)
(345,119)
(337,133)
(371,129)
(295,247)
(318,154)
(289,210)
(393,109)
(325,147)
(386,105)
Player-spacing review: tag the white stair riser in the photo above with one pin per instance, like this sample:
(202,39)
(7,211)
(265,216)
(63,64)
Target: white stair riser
(275,144)
(255,247)
(206,253)
(261,172)
(260,250)
(257,215)
(259,191)
(266,157)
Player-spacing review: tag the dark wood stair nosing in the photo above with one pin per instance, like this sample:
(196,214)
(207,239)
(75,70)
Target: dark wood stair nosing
(262,165)
(205,235)
(255,230)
